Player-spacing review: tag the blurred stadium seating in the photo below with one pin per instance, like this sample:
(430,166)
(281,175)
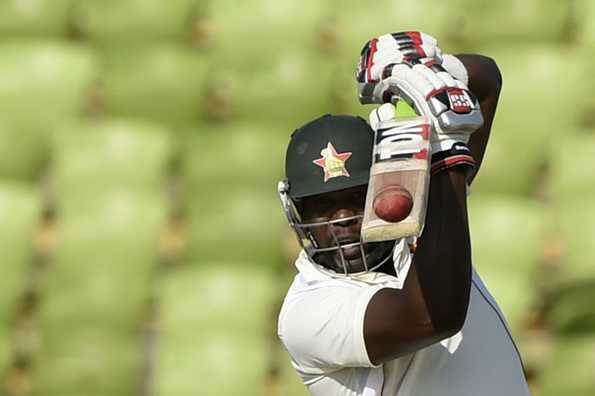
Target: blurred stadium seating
(529,21)
(569,370)
(159,82)
(20,207)
(196,306)
(506,235)
(34,17)
(5,349)
(42,84)
(524,134)
(113,22)
(103,261)
(91,159)
(140,145)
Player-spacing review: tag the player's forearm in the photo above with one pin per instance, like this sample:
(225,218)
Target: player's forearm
(443,256)
(485,81)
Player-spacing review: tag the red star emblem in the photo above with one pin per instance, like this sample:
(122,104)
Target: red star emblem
(332,162)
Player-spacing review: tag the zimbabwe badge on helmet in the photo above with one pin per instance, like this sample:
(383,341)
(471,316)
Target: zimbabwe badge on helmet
(332,162)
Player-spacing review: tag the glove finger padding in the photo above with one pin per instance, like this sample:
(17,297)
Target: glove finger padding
(447,101)
(388,49)
(395,48)
(383,113)
(410,66)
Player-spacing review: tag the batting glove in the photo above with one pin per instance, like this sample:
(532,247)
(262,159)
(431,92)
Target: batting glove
(395,48)
(409,138)
(401,47)
(412,67)
(433,92)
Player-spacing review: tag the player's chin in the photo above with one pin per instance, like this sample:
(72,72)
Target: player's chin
(350,253)
(348,263)
(351,260)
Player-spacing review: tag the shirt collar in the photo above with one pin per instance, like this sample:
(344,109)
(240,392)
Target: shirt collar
(312,272)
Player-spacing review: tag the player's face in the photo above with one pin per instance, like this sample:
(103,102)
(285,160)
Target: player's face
(337,205)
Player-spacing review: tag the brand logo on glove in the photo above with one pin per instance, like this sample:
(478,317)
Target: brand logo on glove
(332,162)
(401,142)
(459,99)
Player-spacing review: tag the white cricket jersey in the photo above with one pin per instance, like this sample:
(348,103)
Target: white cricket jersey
(321,326)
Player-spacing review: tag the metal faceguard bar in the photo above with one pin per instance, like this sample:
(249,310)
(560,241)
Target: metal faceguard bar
(307,240)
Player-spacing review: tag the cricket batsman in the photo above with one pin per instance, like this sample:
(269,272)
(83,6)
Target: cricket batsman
(407,317)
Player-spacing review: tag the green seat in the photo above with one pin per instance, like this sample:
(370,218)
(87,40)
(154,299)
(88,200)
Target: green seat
(572,170)
(288,86)
(104,295)
(273,26)
(569,370)
(42,84)
(230,174)
(5,349)
(265,67)
(158,82)
(22,153)
(88,360)
(514,21)
(74,392)
(574,226)
(34,17)
(106,252)
(585,13)
(571,188)
(572,311)
(95,157)
(506,235)
(224,342)
(219,284)
(236,224)
(115,21)
(211,364)
(120,217)
(530,119)
(20,209)
(233,155)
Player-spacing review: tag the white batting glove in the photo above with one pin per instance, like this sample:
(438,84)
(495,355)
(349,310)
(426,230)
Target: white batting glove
(395,48)
(433,92)
(408,139)
(401,47)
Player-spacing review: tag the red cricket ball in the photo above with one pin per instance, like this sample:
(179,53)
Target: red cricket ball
(393,204)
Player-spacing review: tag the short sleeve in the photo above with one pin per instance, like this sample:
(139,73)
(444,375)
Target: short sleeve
(322,328)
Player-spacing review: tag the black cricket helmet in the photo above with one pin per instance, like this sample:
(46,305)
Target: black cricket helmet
(330,153)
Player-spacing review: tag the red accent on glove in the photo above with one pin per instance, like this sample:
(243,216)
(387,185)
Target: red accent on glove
(421,155)
(373,50)
(417,42)
(429,63)
(459,101)
(415,37)
(425,133)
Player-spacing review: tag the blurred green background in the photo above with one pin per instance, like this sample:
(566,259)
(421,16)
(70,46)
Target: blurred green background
(142,247)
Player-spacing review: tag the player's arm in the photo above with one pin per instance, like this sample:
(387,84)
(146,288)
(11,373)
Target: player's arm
(485,81)
(433,302)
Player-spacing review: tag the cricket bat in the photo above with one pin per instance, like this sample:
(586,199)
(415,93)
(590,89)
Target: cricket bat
(401,157)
